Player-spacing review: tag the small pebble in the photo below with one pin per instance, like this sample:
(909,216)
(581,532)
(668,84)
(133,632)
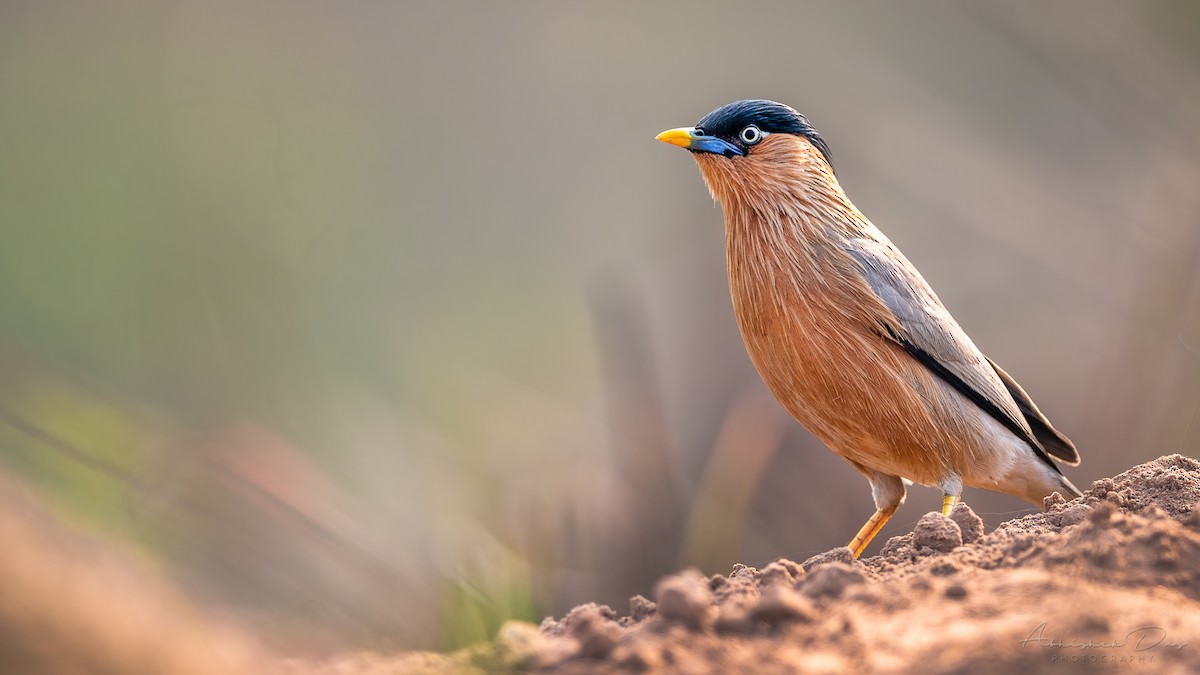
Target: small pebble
(937,532)
(685,598)
(840,554)
(780,573)
(780,603)
(970,524)
(641,608)
(1073,514)
(831,580)
(1052,500)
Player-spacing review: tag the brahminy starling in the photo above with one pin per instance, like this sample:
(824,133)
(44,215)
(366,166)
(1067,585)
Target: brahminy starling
(848,335)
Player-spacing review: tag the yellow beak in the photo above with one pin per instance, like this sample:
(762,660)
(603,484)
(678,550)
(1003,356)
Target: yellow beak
(681,136)
(691,138)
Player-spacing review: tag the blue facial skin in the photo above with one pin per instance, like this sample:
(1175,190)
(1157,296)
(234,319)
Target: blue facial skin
(714,145)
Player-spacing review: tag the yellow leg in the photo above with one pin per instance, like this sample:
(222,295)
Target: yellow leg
(859,543)
(948,502)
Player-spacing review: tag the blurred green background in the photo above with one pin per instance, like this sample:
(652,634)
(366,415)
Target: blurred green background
(375,324)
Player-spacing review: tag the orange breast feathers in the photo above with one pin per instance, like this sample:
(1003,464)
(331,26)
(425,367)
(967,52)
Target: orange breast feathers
(814,328)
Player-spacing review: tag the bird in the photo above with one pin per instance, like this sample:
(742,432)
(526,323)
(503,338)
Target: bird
(849,336)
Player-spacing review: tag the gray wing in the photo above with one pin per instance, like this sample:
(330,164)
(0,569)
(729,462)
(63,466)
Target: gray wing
(928,332)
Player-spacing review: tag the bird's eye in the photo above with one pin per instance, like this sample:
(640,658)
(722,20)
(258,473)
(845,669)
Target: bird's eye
(751,135)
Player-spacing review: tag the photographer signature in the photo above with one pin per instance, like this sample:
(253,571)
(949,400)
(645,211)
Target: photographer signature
(1140,639)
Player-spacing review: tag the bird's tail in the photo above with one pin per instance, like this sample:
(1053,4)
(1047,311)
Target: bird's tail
(1070,491)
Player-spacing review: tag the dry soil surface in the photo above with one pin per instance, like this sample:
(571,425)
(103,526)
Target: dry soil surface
(1107,582)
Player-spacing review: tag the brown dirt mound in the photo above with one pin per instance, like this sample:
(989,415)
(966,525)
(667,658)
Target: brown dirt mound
(1109,581)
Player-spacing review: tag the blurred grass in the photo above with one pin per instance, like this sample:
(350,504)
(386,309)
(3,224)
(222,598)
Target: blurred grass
(382,324)
(82,481)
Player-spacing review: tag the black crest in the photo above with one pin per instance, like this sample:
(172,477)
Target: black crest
(728,121)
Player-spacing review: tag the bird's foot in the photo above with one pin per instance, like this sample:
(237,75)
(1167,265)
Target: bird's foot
(859,543)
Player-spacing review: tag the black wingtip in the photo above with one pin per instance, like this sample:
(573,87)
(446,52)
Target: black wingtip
(1013,425)
(1053,442)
